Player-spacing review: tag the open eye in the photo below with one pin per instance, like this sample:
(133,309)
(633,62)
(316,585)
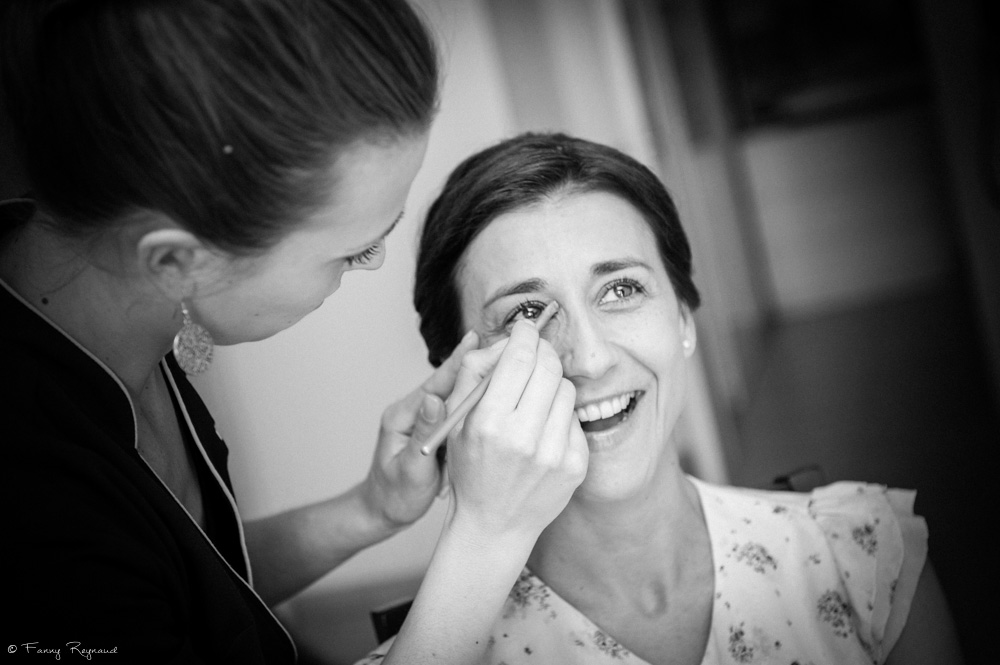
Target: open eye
(530,309)
(620,290)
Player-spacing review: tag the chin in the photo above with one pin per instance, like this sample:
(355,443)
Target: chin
(608,486)
(255,334)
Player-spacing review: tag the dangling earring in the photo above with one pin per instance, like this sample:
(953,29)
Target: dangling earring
(193,345)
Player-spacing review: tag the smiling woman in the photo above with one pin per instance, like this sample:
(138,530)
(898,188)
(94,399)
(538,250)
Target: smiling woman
(621,333)
(647,564)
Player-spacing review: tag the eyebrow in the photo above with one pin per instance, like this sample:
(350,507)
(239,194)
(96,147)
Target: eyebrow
(608,267)
(518,288)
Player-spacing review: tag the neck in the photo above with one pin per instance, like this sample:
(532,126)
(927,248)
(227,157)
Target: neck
(88,291)
(629,541)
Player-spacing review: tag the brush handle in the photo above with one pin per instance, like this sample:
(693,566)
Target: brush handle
(455,417)
(462,410)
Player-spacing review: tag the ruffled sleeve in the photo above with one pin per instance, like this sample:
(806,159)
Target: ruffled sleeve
(880,547)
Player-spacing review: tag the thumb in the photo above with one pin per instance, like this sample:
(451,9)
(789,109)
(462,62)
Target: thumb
(431,414)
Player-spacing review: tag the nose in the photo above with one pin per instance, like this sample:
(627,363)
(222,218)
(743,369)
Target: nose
(584,346)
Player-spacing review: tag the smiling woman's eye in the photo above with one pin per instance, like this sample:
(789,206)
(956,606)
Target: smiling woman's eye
(365,257)
(621,290)
(530,309)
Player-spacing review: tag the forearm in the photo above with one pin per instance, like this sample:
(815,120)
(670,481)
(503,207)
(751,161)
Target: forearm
(462,594)
(291,550)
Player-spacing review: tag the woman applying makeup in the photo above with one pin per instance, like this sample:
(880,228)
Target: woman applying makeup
(647,564)
(205,171)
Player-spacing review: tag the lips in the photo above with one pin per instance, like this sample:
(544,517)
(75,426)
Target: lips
(607,413)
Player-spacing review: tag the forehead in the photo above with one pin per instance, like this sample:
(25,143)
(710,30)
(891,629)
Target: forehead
(558,236)
(367,188)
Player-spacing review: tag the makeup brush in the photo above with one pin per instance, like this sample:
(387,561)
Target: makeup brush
(441,433)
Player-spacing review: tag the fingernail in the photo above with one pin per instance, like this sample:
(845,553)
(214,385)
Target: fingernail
(430,408)
(468,337)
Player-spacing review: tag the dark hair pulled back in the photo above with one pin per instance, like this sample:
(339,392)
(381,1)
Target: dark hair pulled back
(227,115)
(519,172)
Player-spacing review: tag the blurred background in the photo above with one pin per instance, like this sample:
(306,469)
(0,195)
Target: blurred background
(836,167)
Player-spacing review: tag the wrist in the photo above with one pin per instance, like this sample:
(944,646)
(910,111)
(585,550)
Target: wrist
(485,539)
(382,525)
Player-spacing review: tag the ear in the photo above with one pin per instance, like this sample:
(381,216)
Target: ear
(689,333)
(173,259)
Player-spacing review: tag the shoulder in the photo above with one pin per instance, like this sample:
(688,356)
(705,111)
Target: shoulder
(86,545)
(80,494)
(843,509)
(858,544)
(880,547)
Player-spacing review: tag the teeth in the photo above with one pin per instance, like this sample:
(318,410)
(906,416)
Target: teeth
(605,408)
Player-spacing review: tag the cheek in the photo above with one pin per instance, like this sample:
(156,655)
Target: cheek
(660,348)
(316,282)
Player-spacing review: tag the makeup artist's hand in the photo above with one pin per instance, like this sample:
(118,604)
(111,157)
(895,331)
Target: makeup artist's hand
(520,454)
(402,483)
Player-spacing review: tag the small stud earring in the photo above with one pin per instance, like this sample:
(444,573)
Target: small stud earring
(193,345)
(686,344)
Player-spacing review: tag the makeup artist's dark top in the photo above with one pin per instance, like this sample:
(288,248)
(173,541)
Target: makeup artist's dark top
(97,550)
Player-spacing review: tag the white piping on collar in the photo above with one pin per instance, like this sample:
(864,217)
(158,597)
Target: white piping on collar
(232,502)
(218,479)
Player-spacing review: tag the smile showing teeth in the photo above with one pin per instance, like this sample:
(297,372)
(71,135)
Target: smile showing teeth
(606,413)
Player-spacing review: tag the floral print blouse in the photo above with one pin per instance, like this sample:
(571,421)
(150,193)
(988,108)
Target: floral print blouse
(800,579)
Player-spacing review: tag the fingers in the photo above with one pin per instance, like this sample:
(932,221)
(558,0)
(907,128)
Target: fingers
(430,415)
(400,416)
(513,475)
(514,369)
(456,416)
(442,381)
(429,420)
(506,381)
(564,442)
(474,367)
(536,401)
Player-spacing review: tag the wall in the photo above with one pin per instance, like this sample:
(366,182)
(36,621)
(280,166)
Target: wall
(963,55)
(850,211)
(12,181)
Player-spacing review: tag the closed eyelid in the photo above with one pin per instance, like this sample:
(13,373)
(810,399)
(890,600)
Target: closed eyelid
(366,255)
